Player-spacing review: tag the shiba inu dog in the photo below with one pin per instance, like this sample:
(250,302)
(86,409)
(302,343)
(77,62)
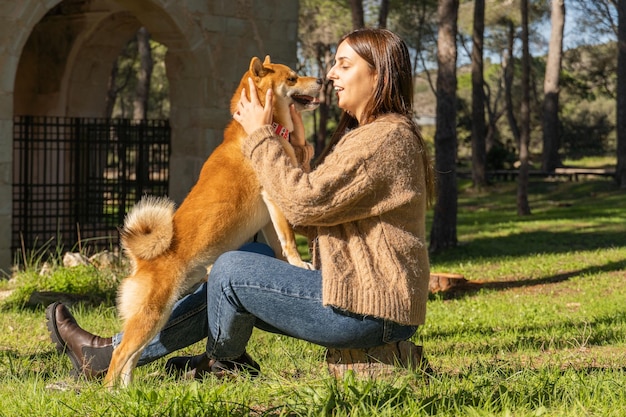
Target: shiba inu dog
(171,250)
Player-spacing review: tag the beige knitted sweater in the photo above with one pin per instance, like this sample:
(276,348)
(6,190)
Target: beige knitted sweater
(364,209)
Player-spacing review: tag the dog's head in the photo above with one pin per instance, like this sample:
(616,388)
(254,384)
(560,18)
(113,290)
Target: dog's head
(287,85)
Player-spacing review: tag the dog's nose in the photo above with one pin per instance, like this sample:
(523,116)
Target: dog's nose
(320,81)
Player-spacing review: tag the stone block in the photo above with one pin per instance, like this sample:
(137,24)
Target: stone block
(6,140)
(6,257)
(8,67)
(212,23)
(6,180)
(238,27)
(17,9)
(6,192)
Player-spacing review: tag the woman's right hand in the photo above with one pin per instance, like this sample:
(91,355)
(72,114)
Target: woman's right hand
(251,114)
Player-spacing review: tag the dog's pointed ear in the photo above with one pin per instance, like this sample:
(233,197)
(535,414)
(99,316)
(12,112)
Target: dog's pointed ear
(256,67)
(267,60)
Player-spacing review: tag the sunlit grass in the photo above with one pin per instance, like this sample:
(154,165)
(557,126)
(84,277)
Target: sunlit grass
(592,161)
(540,332)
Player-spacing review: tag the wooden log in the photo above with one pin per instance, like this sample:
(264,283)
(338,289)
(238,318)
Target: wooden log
(376,362)
(443,281)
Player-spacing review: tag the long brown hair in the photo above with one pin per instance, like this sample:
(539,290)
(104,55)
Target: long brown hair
(388,56)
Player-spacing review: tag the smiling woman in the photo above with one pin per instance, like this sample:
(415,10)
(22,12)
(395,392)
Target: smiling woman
(354,80)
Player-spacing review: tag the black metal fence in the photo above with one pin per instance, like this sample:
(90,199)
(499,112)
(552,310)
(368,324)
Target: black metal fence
(74,179)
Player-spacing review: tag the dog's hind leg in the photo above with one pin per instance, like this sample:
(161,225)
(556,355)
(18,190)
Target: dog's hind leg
(139,330)
(125,358)
(145,311)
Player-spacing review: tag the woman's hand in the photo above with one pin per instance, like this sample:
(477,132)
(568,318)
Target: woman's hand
(251,114)
(296,137)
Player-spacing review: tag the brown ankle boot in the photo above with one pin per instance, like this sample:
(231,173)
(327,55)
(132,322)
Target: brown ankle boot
(200,365)
(90,354)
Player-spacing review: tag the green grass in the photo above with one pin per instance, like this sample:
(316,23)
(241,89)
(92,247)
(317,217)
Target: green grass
(542,332)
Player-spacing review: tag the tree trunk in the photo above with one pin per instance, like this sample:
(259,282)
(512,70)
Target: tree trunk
(493,113)
(142,93)
(111,91)
(358,19)
(443,232)
(551,136)
(523,208)
(324,62)
(509,73)
(383,13)
(479,150)
(620,173)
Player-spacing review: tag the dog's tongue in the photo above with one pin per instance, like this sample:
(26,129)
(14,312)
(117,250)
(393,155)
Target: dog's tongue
(304,99)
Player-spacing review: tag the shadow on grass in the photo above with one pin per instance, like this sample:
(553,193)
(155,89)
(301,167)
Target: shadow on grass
(23,365)
(561,334)
(533,243)
(497,389)
(566,217)
(471,287)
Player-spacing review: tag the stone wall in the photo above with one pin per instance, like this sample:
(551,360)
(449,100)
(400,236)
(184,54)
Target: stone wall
(56,56)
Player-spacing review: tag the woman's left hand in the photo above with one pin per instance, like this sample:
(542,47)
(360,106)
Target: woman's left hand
(297,137)
(251,114)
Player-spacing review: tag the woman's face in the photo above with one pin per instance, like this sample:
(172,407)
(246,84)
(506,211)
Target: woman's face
(353,79)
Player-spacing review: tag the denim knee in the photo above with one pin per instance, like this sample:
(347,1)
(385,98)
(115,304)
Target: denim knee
(222,268)
(230,265)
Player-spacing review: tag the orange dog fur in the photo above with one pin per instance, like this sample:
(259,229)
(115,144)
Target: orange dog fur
(171,250)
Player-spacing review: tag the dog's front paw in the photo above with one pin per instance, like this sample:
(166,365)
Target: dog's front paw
(307,265)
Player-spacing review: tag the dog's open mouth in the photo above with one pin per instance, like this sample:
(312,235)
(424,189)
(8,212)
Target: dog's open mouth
(307,101)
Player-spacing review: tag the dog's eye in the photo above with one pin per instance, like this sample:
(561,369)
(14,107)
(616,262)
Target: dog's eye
(292,79)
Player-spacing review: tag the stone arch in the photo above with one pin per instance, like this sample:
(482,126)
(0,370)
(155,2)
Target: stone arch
(209,45)
(91,63)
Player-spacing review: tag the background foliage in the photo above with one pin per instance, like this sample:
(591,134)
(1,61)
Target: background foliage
(588,76)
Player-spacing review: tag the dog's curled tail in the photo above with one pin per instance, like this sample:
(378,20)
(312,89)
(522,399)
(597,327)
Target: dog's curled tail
(148,228)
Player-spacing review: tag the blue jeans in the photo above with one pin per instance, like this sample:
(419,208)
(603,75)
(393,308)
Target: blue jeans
(247,290)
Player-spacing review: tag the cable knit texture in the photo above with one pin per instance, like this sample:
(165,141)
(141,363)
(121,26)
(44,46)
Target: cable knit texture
(364,210)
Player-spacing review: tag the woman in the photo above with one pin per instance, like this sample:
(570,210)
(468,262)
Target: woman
(363,208)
